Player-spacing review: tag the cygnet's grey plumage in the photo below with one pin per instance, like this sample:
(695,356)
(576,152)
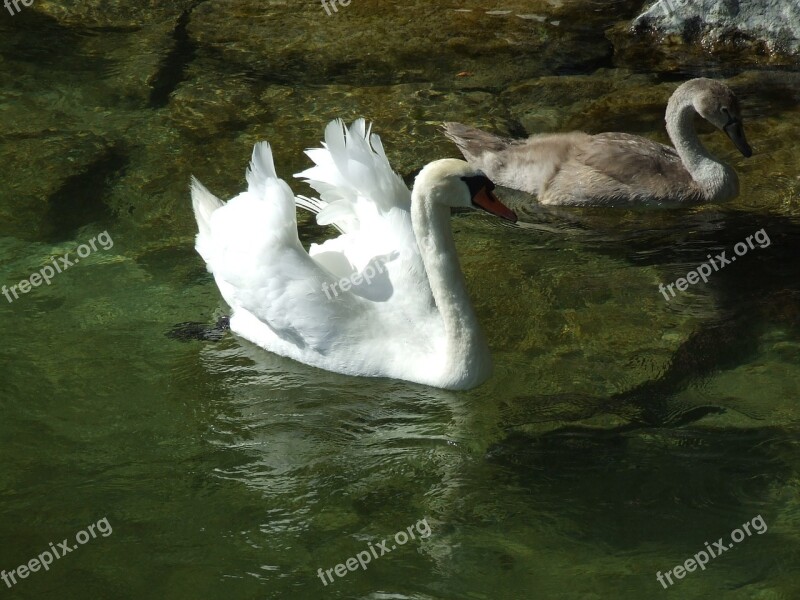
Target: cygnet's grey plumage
(618,169)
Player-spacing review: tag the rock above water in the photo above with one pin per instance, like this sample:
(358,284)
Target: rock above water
(761,29)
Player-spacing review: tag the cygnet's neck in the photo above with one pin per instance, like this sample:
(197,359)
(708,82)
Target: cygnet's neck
(716,180)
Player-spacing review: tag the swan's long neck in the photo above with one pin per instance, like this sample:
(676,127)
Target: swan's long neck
(467,354)
(716,180)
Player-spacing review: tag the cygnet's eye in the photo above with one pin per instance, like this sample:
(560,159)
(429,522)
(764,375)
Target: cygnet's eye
(725,111)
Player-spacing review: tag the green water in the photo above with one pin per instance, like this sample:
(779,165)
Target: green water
(619,433)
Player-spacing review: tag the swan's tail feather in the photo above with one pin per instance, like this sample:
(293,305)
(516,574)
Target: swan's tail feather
(351,167)
(265,187)
(204,204)
(261,169)
(473,142)
(314,206)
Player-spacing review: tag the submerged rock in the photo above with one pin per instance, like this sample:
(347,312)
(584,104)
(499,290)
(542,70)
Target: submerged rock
(114,14)
(374,43)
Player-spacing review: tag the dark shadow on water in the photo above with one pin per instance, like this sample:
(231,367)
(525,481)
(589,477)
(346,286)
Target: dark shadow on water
(761,289)
(657,476)
(666,486)
(33,37)
(762,286)
(172,70)
(82,199)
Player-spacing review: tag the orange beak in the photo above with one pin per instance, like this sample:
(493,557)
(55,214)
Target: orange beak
(489,202)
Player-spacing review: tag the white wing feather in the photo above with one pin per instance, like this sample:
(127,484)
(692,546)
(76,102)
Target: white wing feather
(286,299)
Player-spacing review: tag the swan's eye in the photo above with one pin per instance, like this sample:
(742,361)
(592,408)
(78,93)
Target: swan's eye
(476,183)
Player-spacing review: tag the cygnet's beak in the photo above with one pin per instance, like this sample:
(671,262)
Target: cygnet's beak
(488,201)
(735,131)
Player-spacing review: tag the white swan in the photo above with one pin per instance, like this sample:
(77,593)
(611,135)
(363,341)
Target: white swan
(412,320)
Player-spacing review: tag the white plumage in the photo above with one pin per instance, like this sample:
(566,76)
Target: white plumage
(290,301)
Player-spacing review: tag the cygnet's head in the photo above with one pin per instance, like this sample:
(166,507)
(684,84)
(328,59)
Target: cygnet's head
(454,183)
(716,103)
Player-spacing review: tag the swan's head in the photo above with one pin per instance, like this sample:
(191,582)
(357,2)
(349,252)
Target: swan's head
(716,103)
(456,184)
